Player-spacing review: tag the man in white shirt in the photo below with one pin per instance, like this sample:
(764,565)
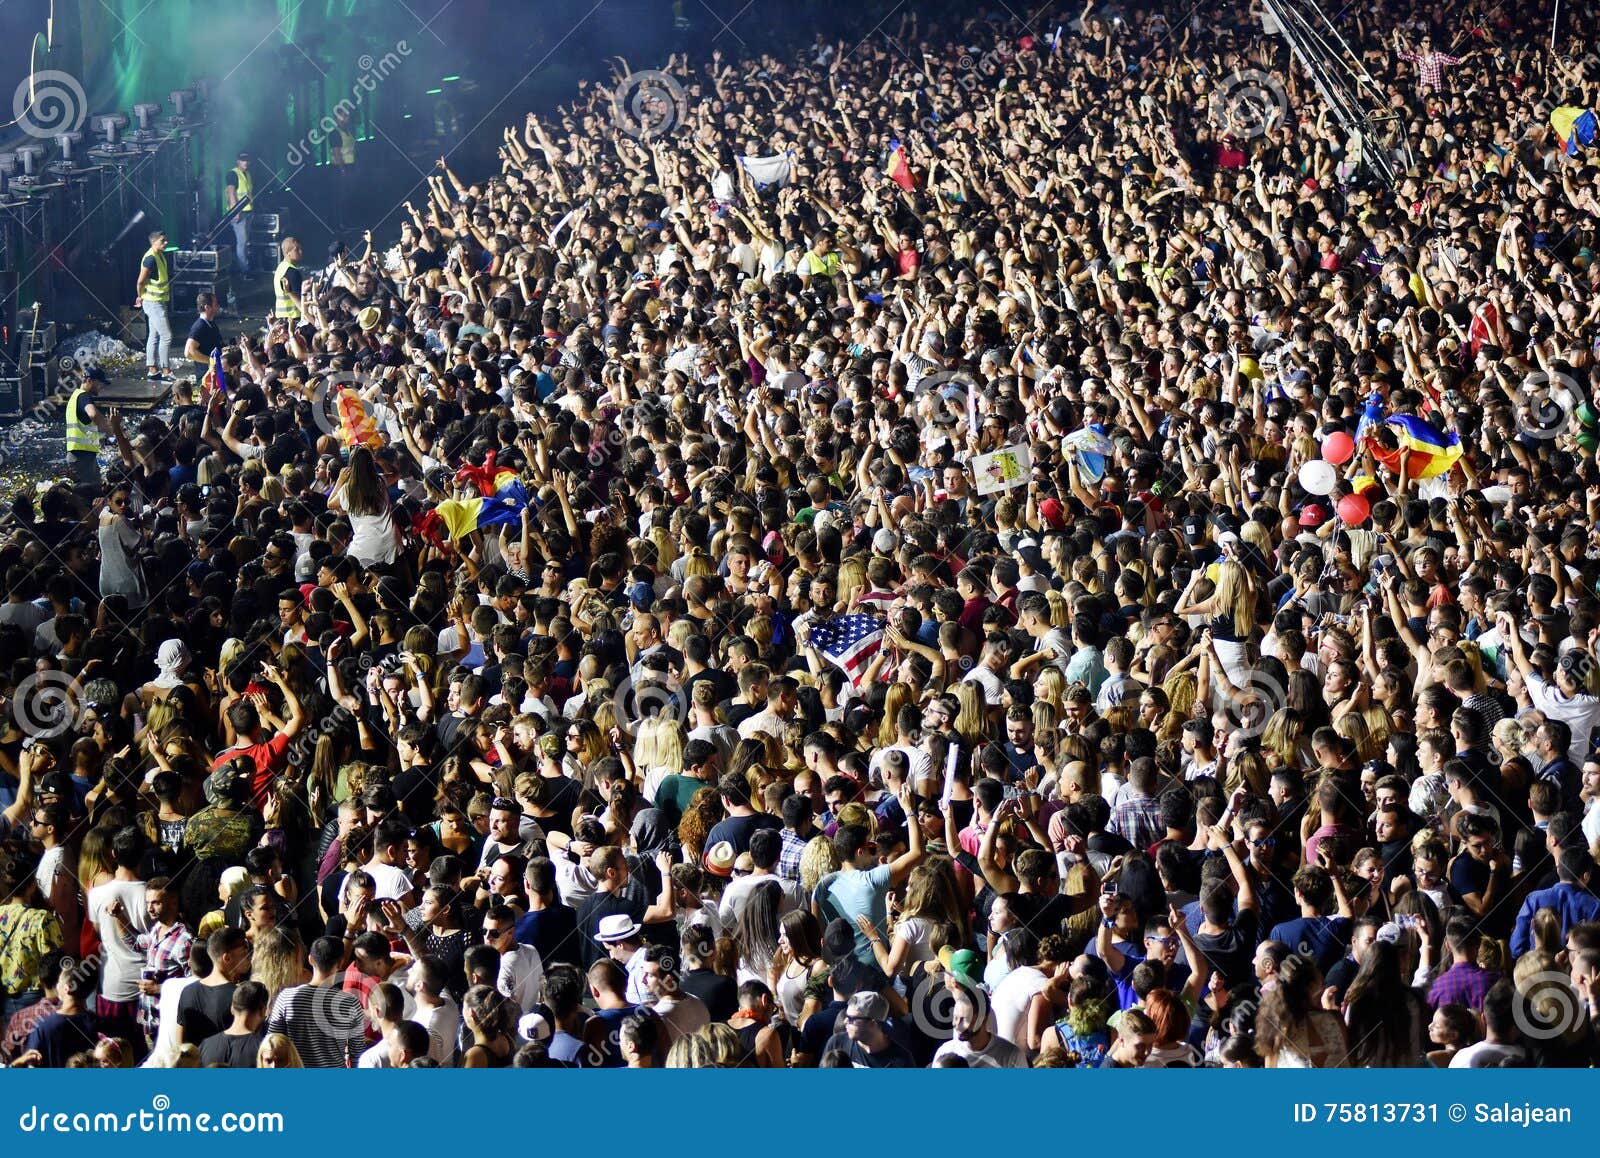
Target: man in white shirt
(1500,1032)
(436,1010)
(386,866)
(682,1013)
(766,846)
(972,1035)
(521,976)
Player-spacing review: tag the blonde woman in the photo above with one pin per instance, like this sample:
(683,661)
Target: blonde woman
(277,1052)
(852,581)
(657,752)
(972,722)
(1050,687)
(278,961)
(897,697)
(1229,612)
(818,859)
(1060,609)
(933,913)
(1284,743)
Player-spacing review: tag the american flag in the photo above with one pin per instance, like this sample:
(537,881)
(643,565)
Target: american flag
(848,642)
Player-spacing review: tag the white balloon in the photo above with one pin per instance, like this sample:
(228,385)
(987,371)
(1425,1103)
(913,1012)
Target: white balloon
(1318,477)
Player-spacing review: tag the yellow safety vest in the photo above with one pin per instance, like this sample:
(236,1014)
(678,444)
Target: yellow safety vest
(81,436)
(344,149)
(245,187)
(159,287)
(283,304)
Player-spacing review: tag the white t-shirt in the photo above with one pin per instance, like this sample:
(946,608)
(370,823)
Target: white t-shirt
(392,882)
(1011,1000)
(119,977)
(442,1022)
(993,689)
(998,1054)
(521,976)
(1485,1055)
(371,536)
(50,865)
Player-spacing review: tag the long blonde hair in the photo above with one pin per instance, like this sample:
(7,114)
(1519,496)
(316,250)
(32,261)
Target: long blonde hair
(897,697)
(972,723)
(1235,597)
(659,744)
(852,578)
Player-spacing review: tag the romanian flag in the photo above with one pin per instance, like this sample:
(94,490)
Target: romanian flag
(502,497)
(356,424)
(1575,126)
(219,381)
(899,167)
(1430,453)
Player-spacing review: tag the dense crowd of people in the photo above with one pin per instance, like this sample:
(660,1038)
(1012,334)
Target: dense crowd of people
(1044,566)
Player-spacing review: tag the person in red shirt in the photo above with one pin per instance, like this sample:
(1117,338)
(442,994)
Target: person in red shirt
(969,585)
(270,756)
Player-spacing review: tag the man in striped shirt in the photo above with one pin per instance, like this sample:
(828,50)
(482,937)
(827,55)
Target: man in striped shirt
(325,1023)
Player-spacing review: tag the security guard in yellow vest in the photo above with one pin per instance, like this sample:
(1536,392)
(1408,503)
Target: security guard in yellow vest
(84,424)
(240,185)
(154,293)
(286,283)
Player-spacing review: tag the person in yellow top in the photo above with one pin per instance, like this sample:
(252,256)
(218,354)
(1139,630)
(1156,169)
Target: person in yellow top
(85,423)
(286,283)
(238,188)
(153,293)
(820,260)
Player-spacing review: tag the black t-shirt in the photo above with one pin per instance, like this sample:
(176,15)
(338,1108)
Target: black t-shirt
(720,994)
(737,830)
(203,1010)
(596,908)
(550,931)
(231,1051)
(893,1056)
(206,335)
(819,1028)
(1233,951)
(1468,876)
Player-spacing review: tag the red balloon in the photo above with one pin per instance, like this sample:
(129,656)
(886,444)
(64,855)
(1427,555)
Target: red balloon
(1354,509)
(1338,447)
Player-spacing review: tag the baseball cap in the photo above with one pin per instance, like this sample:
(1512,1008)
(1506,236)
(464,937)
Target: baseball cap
(1053,513)
(963,963)
(231,783)
(885,541)
(870,1006)
(1312,515)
